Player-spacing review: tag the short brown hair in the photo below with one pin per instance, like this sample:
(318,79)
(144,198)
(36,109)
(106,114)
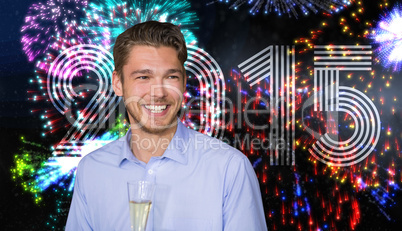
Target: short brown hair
(151,33)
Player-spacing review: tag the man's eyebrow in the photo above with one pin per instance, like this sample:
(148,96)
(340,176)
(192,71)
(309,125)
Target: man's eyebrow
(150,72)
(142,71)
(172,71)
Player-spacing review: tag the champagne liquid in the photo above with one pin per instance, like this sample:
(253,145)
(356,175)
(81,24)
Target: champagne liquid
(139,214)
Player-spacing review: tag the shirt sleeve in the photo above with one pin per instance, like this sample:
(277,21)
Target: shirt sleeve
(78,216)
(242,208)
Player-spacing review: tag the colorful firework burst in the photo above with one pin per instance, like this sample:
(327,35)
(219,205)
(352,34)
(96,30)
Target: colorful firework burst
(112,17)
(388,36)
(47,21)
(47,177)
(30,158)
(291,7)
(37,170)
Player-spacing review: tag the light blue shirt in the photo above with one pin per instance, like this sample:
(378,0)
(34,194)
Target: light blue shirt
(201,184)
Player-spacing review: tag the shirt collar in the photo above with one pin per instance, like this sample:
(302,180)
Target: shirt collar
(126,153)
(178,146)
(176,150)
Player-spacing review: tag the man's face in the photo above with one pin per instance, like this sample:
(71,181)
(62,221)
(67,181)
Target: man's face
(153,86)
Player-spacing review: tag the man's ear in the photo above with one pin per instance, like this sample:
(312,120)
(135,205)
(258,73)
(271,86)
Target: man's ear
(117,84)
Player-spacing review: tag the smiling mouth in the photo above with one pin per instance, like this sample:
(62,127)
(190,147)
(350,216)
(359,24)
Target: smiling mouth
(156,108)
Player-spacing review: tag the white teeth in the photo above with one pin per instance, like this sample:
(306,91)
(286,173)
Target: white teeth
(156,108)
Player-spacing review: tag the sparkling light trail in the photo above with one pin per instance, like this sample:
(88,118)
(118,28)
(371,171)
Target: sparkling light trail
(291,8)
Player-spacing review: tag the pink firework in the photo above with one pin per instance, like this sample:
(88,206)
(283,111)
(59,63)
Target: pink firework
(46,22)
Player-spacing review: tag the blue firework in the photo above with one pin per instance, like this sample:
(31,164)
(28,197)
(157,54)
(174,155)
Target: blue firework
(112,17)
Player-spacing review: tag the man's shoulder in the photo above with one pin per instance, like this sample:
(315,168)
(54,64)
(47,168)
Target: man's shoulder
(213,146)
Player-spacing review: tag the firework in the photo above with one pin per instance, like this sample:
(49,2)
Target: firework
(45,22)
(36,170)
(388,36)
(291,7)
(47,177)
(112,17)
(31,157)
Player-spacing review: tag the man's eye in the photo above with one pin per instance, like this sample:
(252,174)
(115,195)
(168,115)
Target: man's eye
(142,77)
(173,77)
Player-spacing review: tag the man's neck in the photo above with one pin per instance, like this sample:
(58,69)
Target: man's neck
(145,145)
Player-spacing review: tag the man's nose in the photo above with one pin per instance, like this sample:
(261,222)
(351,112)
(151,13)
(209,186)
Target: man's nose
(158,90)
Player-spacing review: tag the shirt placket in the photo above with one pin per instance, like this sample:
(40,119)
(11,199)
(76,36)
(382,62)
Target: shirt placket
(150,175)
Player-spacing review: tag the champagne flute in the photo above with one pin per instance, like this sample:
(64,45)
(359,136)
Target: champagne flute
(140,195)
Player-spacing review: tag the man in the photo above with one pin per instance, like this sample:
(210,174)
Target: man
(201,183)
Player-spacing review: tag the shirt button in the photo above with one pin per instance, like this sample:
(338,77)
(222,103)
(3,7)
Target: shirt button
(150,171)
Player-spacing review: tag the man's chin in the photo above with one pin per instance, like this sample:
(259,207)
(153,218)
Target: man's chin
(154,125)
(157,129)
